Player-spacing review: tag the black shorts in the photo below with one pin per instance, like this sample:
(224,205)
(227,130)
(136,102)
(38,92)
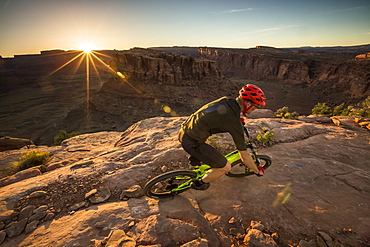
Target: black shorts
(202,151)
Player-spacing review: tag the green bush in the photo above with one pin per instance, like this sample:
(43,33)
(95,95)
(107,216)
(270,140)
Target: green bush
(341,110)
(284,113)
(31,159)
(265,136)
(362,109)
(63,135)
(321,109)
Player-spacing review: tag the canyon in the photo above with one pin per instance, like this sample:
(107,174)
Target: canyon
(42,94)
(128,106)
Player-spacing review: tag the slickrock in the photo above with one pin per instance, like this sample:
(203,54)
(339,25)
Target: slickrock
(323,167)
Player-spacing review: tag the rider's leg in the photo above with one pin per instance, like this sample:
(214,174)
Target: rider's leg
(216,173)
(208,155)
(194,161)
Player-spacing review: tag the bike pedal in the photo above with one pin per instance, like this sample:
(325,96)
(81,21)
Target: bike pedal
(201,187)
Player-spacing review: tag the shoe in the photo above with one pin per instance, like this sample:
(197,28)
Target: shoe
(199,185)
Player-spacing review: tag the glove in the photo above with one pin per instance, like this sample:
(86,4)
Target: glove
(261,171)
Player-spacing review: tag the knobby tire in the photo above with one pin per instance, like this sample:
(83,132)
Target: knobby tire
(162,185)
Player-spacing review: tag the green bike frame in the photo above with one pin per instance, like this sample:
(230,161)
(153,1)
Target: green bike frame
(201,171)
(233,156)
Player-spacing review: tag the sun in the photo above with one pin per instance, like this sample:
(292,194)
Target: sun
(87,47)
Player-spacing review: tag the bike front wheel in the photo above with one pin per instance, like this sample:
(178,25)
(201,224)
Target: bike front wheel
(169,184)
(239,169)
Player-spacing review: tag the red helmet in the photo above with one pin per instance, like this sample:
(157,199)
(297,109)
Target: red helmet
(253,93)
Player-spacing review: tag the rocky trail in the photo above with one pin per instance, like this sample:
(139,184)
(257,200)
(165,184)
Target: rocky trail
(316,193)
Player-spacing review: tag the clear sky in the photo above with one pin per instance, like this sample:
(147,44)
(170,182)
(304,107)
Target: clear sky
(29,26)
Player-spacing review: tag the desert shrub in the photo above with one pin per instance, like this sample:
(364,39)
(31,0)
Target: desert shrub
(321,109)
(363,110)
(31,159)
(63,135)
(341,110)
(265,136)
(284,113)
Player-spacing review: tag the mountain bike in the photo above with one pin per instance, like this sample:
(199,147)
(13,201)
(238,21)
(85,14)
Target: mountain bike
(175,182)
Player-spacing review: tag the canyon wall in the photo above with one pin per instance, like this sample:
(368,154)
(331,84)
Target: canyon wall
(151,65)
(42,94)
(322,71)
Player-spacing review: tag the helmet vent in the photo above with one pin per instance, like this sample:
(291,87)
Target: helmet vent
(253,93)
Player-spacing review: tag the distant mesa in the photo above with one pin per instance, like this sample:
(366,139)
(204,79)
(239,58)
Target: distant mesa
(52,52)
(267,47)
(44,53)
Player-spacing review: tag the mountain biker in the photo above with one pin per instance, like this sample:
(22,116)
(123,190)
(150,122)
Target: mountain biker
(220,116)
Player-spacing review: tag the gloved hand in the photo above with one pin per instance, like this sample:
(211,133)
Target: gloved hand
(261,171)
(242,119)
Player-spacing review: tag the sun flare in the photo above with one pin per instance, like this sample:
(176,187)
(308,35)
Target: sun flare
(87,47)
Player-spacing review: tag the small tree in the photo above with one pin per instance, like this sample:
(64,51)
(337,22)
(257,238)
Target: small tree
(63,135)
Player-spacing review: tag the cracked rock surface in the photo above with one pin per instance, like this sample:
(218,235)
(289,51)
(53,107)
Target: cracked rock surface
(317,189)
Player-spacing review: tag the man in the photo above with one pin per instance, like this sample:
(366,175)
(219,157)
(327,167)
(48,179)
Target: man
(220,116)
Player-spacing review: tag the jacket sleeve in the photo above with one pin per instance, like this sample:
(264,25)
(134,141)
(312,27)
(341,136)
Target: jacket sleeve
(237,134)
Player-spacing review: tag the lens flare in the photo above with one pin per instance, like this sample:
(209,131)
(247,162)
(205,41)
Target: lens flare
(87,53)
(283,196)
(121,75)
(166,109)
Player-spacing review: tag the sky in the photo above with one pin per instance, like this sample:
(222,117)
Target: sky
(31,26)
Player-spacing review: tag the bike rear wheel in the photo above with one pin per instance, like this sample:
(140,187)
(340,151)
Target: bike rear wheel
(169,184)
(239,169)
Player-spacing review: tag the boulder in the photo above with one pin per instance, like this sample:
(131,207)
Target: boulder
(10,143)
(345,122)
(77,206)
(31,226)
(26,212)
(15,228)
(102,194)
(37,194)
(257,238)
(19,176)
(2,236)
(119,239)
(134,192)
